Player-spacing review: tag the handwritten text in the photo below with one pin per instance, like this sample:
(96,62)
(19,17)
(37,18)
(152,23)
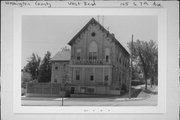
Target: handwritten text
(93,3)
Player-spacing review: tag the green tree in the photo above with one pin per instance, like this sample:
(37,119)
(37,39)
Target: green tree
(25,78)
(153,72)
(45,69)
(136,71)
(145,55)
(32,66)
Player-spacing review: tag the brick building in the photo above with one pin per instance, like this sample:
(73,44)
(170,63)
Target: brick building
(96,64)
(60,66)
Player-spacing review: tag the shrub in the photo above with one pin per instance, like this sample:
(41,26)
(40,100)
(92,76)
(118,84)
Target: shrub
(135,83)
(124,87)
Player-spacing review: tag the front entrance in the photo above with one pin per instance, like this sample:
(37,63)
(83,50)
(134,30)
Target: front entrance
(72,90)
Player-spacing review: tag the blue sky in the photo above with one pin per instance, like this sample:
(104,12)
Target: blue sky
(50,33)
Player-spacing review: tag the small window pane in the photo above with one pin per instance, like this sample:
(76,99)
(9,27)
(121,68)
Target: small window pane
(91,77)
(106,78)
(94,55)
(93,34)
(56,68)
(77,75)
(90,56)
(107,58)
(78,56)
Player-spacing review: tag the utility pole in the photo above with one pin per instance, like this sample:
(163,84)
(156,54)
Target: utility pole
(62,100)
(61,94)
(130,68)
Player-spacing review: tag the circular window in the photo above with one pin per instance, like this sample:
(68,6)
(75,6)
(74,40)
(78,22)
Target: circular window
(93,34)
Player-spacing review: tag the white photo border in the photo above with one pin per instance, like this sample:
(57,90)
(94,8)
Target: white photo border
(162,60)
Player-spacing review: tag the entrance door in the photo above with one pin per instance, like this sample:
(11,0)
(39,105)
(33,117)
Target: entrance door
(72,90)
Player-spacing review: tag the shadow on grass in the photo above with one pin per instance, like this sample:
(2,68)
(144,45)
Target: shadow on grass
(136,93)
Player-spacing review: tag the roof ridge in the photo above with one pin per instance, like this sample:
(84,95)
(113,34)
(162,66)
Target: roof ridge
(62,55)
(111,34)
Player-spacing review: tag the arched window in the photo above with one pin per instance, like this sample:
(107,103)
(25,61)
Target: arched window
(77,75)
(107,54)
(78,54)
(93,51)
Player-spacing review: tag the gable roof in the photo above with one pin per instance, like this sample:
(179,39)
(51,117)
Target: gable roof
(103,29)
(64,55)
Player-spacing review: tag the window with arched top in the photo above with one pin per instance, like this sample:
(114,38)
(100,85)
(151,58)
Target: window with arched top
(107,54)
(119,59)
(78,54)
(93,49)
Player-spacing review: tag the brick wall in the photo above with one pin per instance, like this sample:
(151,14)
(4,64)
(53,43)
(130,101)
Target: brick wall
(103,41)
(118,69)
(60,70)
